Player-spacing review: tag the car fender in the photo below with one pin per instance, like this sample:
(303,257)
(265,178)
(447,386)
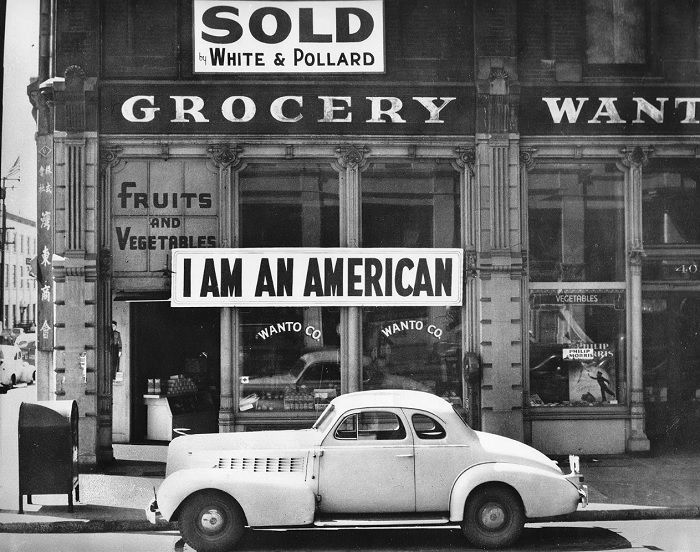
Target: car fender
(544,493)
(267,499)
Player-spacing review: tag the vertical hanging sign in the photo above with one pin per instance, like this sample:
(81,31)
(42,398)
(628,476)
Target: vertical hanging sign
(45,246)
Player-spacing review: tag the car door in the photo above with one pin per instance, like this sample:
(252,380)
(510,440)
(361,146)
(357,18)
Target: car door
(367,464)
(440,456)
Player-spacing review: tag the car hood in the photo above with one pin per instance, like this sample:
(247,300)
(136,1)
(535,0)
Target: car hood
(496,448)
(205,450)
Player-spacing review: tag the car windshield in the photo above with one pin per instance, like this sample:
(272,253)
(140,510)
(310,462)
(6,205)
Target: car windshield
(462,413)
(325,419)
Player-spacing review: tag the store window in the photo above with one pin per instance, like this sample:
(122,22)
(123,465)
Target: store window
(577,333)
(290,356)
(412,205)
(615,33)
(576,224)
(577,347)
(671,203)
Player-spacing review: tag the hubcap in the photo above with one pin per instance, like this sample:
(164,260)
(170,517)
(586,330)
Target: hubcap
(211,520)
(493,516)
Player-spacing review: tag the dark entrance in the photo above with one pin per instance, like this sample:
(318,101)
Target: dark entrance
(671,359)
(181,348)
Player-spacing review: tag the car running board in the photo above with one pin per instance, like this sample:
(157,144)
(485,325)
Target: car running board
(380,521)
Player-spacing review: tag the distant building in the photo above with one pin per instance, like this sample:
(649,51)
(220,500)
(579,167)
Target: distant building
(19,308)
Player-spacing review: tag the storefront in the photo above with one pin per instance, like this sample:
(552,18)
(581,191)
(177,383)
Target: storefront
(566,180)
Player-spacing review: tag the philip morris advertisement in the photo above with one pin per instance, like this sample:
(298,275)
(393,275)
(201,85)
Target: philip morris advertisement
(316,276)
(256,36)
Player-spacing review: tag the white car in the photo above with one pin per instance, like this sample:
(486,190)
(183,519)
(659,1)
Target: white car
(11,365)
(373,458)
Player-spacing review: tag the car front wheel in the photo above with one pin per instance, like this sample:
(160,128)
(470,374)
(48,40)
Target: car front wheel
(211,521)
(493,517)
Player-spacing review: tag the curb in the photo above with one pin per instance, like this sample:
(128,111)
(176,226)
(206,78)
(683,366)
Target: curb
(87,526)
(122,526)
(627,514)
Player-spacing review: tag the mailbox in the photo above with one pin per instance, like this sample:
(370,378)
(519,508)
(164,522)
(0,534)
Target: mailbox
(48,450)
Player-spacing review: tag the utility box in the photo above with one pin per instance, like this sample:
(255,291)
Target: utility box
(48,450)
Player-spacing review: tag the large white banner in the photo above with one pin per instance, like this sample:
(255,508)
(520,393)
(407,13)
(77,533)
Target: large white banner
(315,276)
(306,36)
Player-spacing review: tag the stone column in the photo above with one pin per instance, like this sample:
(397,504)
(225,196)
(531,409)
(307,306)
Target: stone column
(351,160)
(633,162)
(499,249)
(226,159)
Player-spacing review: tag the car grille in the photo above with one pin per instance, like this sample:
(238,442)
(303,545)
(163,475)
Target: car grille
(269,464)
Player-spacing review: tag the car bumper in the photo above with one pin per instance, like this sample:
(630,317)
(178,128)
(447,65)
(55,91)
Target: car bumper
(152,512)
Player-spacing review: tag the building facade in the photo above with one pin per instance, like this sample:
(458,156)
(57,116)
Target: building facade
(553,144)
(20,295)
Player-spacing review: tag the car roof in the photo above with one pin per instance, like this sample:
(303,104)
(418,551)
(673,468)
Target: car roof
(401,398)
(327,355)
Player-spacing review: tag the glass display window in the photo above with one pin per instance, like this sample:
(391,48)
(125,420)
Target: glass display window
(671,202)
(289,205)
(411,204)
(577,348)
(290,359)
(576,224)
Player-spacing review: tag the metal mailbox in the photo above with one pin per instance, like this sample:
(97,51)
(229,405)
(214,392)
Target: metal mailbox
(48,450)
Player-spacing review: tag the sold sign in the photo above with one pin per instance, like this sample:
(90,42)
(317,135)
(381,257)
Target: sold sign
(316,36)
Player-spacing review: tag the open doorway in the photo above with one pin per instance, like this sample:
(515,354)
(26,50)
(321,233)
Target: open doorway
(174,375)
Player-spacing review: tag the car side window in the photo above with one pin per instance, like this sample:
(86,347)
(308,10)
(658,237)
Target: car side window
(426,427)
(371,426)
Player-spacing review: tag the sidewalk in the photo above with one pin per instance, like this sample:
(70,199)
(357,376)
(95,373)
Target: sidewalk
(621,488)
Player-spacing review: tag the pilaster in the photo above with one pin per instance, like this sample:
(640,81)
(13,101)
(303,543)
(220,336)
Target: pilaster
(350,161)
(78,373)
(633,162)
(226,158)
(500,258)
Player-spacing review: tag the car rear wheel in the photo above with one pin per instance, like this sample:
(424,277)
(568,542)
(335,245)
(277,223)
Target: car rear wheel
(211,521)
(493,517)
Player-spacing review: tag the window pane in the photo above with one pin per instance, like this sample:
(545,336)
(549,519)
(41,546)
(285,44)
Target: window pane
(576,224)
(291,356)
(577,347)
(671,203)
(410,205)
(615,31)
(426,427)
(402,350)
(347,429)
(380,426)
(290,359)
(294,205)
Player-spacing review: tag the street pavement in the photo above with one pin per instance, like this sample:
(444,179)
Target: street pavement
(622,487)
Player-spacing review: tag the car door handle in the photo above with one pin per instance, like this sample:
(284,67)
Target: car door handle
(410,455)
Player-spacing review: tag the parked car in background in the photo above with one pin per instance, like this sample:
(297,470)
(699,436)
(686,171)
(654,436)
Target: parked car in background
(27,344)
(11,365)
(373,458)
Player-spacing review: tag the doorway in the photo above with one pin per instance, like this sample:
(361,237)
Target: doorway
(671,368)
(179,348)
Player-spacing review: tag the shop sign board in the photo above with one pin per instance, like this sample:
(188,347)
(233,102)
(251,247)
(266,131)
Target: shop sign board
(249,108)
(583,297)
(609,110)
(277,37)
(159,205)
(316,277)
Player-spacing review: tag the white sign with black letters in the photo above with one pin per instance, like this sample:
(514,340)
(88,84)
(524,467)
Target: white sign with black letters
(305,36)
(315,276)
